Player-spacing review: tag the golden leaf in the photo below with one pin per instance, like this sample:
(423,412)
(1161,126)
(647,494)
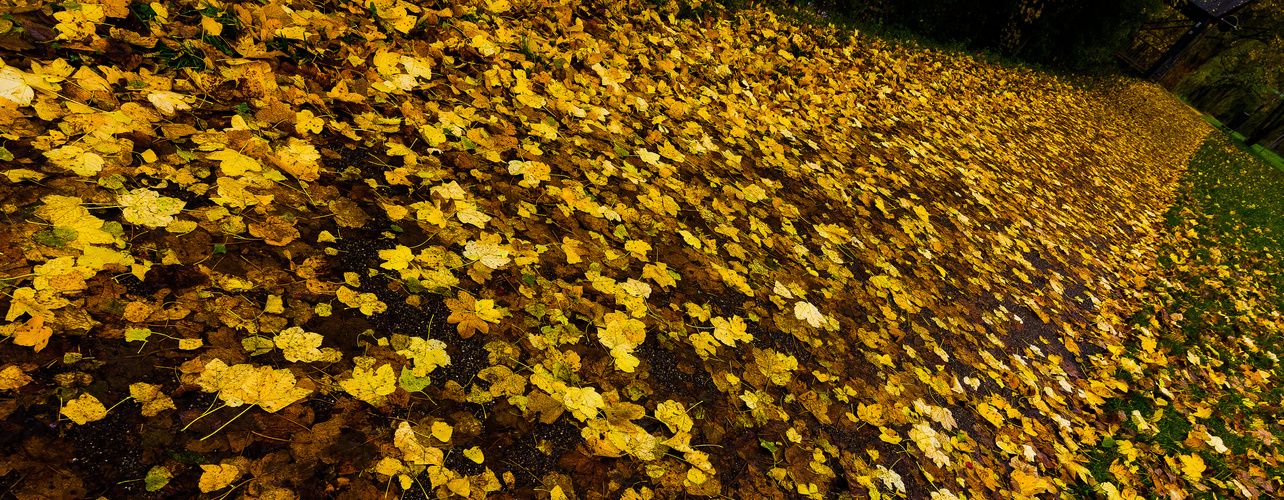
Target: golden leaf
(14,87)
(84,409)
(33,333)
(1192,466)
(414,452)
(169,102)
(151,397)
(240,384)
(730,331)
(371,386)
(474,454)
(442,431)
(674,415)
(12,377)
(234,163)
(217,477)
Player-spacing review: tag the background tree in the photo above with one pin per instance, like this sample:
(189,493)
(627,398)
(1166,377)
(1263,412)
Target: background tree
(1072,35)
(1240,71)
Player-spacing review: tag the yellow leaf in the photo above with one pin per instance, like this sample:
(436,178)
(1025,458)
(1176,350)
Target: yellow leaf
(889,435)
(990,414)
(584,402)
(638,248)
(212,28)
(1030,484)
(404,24)
(37,303)
(96,258)
(572,250)
(699,313)
(240,384)
(468,214)
(671,152)
(730,331)
(489,253)
(397,258)
(12,377)
(146,207)
(497,6)
(871,413)
(300,159)
(33,333)
(649,157)
(690,239)
(297,345)
(168,102)
(625,361)
(415,452)
(76,159)
(153,400)
(389,466)
(659,273)
(84,409)
(484,45)
(460,486)
(305,121)
(367,303)
(14,87)
(885,282)
(486,310)
(233,163)
(696,476)
(427,354)
(674,415)
(474,454)
(217,477)
(371,386)
(1192,466)
(442,431)
(808,312)
(532,172)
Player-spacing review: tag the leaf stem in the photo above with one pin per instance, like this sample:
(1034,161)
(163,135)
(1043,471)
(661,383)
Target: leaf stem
(238,415)
(203,415)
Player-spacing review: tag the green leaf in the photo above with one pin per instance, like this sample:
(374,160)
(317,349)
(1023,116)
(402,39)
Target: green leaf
(113,228)
(414,286)
(257,345)
(157,478)
(57,237)
(187,457)
(529,279)
(220,249)
(5,155)
(137,334)
(410,382)
(113,181)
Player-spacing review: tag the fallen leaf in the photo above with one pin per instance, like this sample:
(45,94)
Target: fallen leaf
(84,409)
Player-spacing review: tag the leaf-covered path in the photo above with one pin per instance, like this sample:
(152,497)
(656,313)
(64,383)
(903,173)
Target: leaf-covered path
(563,249)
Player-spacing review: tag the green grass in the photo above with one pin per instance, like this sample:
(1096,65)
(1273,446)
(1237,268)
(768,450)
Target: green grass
(1266,155)
(1240,193)
(1221,271)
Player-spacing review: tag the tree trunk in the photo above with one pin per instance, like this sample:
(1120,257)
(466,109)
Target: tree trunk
(1273,121)
(1276,142)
